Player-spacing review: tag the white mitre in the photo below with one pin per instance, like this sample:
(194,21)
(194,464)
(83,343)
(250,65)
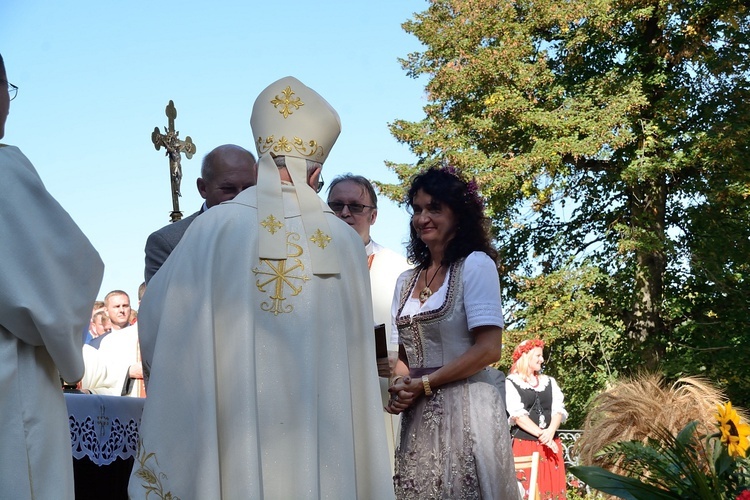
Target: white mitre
(292,120)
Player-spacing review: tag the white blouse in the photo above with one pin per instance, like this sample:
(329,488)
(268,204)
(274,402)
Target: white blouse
(513,402)
(481,295)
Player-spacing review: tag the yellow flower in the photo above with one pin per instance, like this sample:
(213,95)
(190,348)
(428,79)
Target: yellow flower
(734,434)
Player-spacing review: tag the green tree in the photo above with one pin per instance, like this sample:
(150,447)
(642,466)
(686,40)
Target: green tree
(612,133)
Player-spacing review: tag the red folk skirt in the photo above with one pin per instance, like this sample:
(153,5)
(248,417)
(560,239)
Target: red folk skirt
(551,476)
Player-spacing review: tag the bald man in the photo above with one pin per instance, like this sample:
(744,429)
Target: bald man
(226,171)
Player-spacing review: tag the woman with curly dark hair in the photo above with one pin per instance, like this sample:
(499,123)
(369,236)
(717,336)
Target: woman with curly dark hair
(455,441)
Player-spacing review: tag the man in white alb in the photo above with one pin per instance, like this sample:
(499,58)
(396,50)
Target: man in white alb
(352,198)
(119,348)
(49,276)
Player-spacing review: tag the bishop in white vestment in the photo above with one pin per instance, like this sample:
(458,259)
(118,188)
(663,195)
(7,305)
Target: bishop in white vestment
(262,375)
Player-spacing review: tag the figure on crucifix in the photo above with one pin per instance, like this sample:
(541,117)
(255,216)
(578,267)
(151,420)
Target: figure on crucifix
(170,140)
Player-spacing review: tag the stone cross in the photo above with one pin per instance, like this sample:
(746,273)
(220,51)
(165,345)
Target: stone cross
(174,146)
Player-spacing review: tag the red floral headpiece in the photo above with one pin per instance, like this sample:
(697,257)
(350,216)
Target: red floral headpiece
(526,346)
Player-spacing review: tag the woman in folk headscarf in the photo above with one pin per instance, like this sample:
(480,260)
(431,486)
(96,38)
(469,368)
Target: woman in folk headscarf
(536,410)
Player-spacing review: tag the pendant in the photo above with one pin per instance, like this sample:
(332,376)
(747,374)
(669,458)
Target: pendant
(542,422)
(425,294)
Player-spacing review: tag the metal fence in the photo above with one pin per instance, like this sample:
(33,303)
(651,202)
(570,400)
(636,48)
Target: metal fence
(569,438)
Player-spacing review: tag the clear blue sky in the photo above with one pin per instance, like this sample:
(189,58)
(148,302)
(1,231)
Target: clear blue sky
(96,75)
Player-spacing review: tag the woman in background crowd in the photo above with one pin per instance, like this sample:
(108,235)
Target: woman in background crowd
(536,408)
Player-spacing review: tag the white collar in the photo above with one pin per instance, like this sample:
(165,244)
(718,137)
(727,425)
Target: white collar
(372,247)
(543,382)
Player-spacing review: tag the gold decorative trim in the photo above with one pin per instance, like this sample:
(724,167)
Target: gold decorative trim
(283,146)
(152,481)
(286,102)
(280,273)
(272,224)
(320,238)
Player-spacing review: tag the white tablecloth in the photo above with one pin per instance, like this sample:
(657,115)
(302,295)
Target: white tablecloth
(103,428)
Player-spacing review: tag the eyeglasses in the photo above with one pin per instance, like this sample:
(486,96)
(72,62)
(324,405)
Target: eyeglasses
(321,183)
(355,208)
(12,90)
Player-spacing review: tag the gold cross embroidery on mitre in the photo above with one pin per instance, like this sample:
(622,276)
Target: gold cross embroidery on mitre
(287,101)
(280,274)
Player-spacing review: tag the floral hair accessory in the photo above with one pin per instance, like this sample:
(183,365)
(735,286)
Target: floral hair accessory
(472,188)
(526,346)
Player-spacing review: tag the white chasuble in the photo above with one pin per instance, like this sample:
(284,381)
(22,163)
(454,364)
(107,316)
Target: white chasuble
(262,375)
(49,277)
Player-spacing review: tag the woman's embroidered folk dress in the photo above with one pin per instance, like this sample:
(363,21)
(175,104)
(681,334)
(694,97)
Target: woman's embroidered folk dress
(456,443)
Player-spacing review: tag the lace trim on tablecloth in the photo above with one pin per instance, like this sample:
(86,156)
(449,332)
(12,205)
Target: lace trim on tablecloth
(102,438)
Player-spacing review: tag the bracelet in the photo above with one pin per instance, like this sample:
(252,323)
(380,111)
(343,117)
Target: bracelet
(426,384)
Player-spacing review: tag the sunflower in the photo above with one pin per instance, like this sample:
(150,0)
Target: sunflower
(734,434)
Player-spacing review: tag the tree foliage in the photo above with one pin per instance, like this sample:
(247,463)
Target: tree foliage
(610,138)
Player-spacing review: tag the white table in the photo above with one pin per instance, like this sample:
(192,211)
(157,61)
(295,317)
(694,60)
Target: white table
(104,443)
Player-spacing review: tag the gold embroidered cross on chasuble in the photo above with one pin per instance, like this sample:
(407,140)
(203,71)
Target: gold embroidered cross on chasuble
(276,276)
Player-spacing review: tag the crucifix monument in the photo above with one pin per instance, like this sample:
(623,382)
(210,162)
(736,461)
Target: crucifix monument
(174,146)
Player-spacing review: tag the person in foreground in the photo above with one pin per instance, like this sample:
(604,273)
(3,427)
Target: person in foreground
(455,440)
(49,278)
(258,336)
(536,409)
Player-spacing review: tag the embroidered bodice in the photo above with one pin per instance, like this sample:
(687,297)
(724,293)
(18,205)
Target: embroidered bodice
(431,338)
